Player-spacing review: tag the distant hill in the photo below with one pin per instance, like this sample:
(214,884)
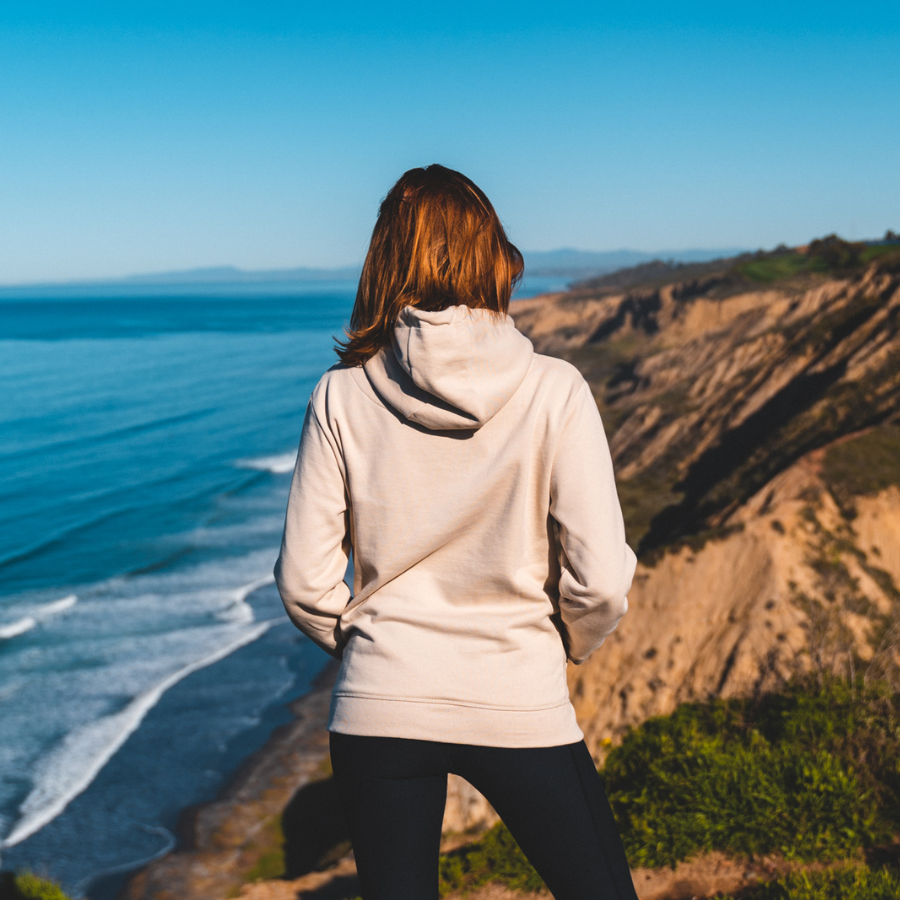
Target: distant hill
(233,275)
(562,263)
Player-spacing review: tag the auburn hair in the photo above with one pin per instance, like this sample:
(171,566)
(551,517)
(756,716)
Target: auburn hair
(437,243)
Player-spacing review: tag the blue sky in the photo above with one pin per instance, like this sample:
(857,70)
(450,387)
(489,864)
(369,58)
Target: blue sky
(138,137)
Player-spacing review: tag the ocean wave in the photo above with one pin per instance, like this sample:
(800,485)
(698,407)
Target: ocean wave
(168,845)
(70,767)
(39,614)
(56,606)
(94,440)
(243,592)
(14,629)
(56,538)
(239,610)
(281,464)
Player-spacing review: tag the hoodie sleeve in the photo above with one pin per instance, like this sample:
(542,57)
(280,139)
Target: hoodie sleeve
(597,566)
(315,548)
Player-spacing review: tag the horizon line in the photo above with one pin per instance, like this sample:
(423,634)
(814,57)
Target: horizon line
(573,260)
(227,273)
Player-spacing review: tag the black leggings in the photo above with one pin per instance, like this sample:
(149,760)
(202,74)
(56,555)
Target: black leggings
(393,791)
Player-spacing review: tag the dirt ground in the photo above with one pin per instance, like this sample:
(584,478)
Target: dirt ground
(699,878)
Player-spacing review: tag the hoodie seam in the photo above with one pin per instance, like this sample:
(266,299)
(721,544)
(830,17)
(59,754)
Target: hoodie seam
(571,415)
(408,354)
(329,439)
(413,415)
(440,701)
(383,404)
(379,403)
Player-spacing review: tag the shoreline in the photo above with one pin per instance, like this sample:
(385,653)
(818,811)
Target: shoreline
(129,815)
(131,718)
(218,842)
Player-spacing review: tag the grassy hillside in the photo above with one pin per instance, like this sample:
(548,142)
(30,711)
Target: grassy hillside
(864,465)
(824,257)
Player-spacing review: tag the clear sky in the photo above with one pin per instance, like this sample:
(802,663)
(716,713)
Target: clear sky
(139,137)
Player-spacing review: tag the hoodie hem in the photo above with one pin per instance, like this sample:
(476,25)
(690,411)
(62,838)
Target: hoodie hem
(450,722)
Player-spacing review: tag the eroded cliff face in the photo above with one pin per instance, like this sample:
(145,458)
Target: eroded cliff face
(759,558)
(710,390)
(795,587)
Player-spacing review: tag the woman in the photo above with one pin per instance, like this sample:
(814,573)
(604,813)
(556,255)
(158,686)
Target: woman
(471,479)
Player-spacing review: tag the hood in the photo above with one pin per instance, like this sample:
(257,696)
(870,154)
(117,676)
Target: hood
(450,369)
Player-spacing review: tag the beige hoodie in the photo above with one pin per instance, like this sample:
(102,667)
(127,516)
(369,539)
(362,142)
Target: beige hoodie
(472,479)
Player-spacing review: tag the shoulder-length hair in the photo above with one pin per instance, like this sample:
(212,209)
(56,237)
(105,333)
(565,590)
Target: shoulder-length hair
(437,243)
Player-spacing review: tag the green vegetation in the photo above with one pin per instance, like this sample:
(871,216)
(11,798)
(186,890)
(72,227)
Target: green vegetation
(863,465)
(720,277)
(496,857)
(828,256)
(808,776)
(28,886)
(775,267)
(271,863)
(811,774)
(876,251)
(851,882)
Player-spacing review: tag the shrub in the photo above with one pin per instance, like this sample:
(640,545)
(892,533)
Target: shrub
(496,857)
(29,886)
(807,775)
(832,253)
(864,465)
(840,883)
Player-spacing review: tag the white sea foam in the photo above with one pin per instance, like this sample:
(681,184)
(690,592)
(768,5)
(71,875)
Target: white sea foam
(243,592)
(239,613)
(38,614)
(167,846)
(278,465)
(14,629)
(239,610)
(68,769)
(147,632)
(57,606)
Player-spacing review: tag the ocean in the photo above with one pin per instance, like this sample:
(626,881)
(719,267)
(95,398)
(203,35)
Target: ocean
(147,439)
